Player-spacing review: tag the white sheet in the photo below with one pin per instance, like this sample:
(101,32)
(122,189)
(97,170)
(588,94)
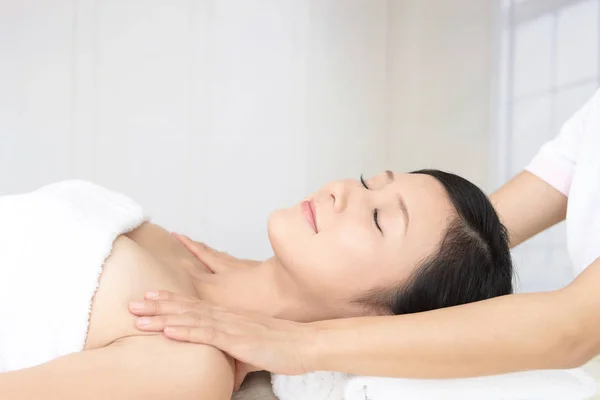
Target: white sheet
(573,384)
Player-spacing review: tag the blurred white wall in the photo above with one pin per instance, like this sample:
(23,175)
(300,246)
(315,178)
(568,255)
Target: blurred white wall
(210,113)
(440,62)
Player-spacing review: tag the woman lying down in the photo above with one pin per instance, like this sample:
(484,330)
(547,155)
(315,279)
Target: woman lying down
(73,255)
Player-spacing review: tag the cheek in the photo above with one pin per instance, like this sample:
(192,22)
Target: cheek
(350,244)
(357,261)
(352,253)
(342,262)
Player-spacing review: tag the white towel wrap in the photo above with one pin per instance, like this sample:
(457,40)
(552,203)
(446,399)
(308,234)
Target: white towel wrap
(53,243)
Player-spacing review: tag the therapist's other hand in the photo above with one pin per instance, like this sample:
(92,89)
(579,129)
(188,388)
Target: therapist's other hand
(256,342)
(216,261)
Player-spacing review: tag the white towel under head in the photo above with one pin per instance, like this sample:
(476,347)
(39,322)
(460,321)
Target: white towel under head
(320,385)
(572,384)
(53,243)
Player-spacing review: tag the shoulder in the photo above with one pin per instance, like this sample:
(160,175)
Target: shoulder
(175,369)
(583,116)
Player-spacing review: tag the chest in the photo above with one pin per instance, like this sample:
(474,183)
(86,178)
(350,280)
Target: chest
(127,274)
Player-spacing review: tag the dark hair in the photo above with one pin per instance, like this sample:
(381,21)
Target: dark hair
(472,262)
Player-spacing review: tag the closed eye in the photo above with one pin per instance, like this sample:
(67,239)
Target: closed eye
(376,211)
(363,182)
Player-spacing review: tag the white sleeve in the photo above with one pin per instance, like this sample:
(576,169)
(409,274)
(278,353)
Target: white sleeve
(556,161)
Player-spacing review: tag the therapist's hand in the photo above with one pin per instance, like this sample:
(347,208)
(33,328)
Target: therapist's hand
(256,342)
(216,261)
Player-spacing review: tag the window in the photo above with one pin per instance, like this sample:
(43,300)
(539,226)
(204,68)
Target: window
(549,67)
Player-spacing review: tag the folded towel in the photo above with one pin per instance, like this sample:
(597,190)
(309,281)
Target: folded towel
(312,386)
(573,384)
(53,243)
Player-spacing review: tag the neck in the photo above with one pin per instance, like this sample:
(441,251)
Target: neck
(265,289)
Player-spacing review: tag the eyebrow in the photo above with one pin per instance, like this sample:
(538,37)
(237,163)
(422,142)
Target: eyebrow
(401,201)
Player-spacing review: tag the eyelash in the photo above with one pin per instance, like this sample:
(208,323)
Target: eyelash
(376,211)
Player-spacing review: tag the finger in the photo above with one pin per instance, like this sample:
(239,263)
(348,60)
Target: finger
(240,375)
(160,307)
(239,379)
(198,249)
(204,252)
(201,250)
(159,323)
(211,258)
(182,238)
(202,335)
(166,295)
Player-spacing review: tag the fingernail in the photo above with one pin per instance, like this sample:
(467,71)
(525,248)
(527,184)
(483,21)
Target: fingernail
(144,321)
(151,295)
(136,305)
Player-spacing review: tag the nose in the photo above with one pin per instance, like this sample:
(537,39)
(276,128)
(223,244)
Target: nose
(339,191)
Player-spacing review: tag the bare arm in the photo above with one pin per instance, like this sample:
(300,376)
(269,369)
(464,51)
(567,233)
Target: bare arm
(527,206)
(148,368)
(552,330)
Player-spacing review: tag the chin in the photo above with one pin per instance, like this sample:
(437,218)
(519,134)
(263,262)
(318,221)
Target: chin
(276,230)
(289,234)
(272,223)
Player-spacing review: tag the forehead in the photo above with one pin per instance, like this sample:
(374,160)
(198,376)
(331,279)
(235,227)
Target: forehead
(425,187)
(428,205)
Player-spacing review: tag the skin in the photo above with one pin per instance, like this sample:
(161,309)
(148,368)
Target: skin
(302,282)
(551,330)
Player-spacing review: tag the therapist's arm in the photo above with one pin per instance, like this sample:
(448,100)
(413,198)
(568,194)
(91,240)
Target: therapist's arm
(552,330)
(527,206)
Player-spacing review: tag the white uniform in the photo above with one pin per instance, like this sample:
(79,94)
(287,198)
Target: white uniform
(571,164)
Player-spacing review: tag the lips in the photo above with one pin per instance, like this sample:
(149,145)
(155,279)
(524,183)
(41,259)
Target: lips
(308,209)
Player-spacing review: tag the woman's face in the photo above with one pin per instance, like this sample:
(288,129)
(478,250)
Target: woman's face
(347,239)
